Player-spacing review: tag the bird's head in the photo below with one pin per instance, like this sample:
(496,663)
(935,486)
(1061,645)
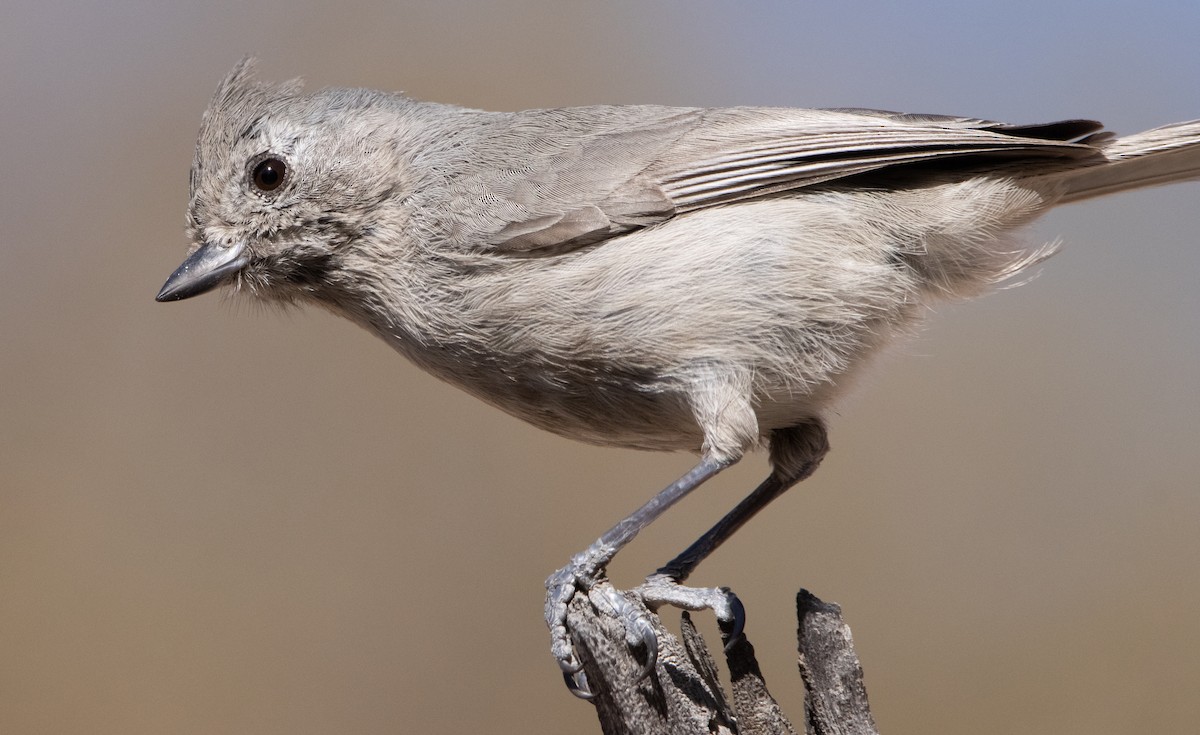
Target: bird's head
(285,185)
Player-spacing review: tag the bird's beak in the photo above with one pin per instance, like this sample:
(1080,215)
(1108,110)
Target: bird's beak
(204,270)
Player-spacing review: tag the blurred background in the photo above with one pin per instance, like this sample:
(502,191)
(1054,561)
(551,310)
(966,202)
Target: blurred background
(217,518)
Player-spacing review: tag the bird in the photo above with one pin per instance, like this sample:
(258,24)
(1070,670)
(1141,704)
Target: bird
(665,278)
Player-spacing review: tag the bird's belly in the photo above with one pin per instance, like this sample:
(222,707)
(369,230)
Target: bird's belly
(604,408)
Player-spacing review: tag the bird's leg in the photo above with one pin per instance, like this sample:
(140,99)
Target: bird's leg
(795,454)
(588,566)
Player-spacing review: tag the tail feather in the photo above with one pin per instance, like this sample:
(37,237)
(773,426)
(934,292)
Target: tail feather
(1160,156)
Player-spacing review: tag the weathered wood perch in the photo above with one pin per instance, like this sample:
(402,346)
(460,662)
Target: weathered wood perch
(682,695)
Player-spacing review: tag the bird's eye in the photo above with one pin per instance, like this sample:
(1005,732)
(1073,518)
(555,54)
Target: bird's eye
(269,174)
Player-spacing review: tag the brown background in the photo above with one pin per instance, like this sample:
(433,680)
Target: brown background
(221,519)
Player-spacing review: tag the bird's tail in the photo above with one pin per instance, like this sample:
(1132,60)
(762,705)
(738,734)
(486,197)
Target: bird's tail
(1159,156)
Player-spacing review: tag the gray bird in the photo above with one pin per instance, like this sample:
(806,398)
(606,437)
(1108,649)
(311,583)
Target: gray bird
(661,278)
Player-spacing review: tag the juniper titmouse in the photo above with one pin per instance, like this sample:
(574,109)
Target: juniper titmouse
(648,277)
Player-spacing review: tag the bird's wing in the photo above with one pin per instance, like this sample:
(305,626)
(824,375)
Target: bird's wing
(588,174)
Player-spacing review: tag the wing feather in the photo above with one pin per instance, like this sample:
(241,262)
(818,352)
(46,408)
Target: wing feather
(582,175)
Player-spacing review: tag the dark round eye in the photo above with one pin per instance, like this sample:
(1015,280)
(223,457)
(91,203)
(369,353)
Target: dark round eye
(269,173)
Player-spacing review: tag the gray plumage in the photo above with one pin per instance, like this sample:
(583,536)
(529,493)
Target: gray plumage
(647,277)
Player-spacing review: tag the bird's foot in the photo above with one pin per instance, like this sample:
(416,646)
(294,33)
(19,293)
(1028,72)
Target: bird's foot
(661,589)
(583,575)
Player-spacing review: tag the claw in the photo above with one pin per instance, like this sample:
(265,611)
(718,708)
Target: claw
(649,642)
(572,671)
(577,684)
(560,588)
(737,622)
(638,630)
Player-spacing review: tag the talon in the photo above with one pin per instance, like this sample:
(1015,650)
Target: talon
(638,630)
(649,641)
(578,686)
(560,588)
(737,623)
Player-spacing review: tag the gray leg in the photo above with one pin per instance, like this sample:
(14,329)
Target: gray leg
(588,566)
(795,454)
